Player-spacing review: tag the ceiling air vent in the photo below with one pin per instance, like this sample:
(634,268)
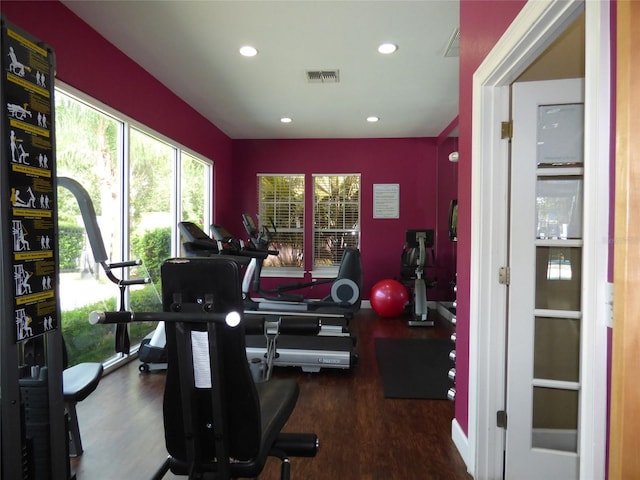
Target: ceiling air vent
(323,76)
(453,47)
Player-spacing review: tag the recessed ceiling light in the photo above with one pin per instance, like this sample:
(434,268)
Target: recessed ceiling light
(248,51)
(387,48)
(286,120)
(372,119)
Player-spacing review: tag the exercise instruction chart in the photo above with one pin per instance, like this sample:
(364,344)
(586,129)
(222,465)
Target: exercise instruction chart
(28,184)
(386,200)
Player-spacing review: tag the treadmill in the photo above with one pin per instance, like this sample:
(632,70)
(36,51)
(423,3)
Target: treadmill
(312,347)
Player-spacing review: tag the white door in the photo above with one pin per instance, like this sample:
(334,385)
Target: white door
(544,307)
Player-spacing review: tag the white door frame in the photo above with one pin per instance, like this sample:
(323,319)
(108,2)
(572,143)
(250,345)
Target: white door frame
(537,25)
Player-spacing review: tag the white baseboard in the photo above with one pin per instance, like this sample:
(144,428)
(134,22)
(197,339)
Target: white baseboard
(461,442)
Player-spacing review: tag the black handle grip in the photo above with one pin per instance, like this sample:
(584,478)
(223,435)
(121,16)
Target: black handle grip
(135,281)
(110,317)
(232,318)
(297,444)
(128,263)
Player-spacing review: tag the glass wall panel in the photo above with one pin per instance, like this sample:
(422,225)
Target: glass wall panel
(137,225)
(555,419)
(194,182)
(88,151)
(558,278)
(557,349)
(151,164)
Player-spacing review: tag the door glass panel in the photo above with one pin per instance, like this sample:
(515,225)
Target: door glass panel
(555,419)
(558,278)
(560,135)
(559,208)
(557,349)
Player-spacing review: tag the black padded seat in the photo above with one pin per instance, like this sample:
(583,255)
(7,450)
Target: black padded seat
(277,399)
(78,382)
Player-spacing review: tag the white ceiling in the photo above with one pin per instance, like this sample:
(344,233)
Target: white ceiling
(192,48)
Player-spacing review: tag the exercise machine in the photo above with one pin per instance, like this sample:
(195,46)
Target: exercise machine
(90,220)
(289,338)
(218,422)
(417,254)
(151,352)
(33,429)
(345,294)
(196,243)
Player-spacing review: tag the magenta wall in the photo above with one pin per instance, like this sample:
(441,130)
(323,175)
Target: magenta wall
(86,61)
(482,23)
(447,191)
(410,162)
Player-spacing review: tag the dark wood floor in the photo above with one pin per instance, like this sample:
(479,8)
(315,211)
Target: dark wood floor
(363,436)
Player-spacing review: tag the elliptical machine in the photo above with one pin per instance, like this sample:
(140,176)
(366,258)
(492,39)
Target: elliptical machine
(346,288)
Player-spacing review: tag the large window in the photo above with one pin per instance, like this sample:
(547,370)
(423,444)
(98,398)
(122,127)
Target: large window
(141,185)
(195,190)
(281,207)
(336,217)
(335,220)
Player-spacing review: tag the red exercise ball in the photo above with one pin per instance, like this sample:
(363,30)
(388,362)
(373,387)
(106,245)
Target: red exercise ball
(388,298)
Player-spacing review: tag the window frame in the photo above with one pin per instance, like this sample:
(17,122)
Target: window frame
(309,228)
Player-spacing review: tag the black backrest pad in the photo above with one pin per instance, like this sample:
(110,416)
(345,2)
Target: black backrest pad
(193,279)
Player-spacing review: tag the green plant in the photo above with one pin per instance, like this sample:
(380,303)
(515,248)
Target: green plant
(96,343)
(70,243)
(153,247)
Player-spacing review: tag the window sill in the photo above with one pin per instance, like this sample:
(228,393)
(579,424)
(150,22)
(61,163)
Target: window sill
(285,272)
(324,272)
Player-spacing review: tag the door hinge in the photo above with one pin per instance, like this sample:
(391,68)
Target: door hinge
(504,275)
(501,419)
(506,130)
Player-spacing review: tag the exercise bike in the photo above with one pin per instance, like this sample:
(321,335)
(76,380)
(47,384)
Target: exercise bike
(417,254)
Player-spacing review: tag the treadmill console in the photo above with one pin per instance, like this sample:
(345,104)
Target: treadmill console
(195,241)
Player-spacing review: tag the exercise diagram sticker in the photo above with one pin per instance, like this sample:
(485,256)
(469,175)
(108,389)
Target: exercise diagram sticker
(386,200)
(29,185)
